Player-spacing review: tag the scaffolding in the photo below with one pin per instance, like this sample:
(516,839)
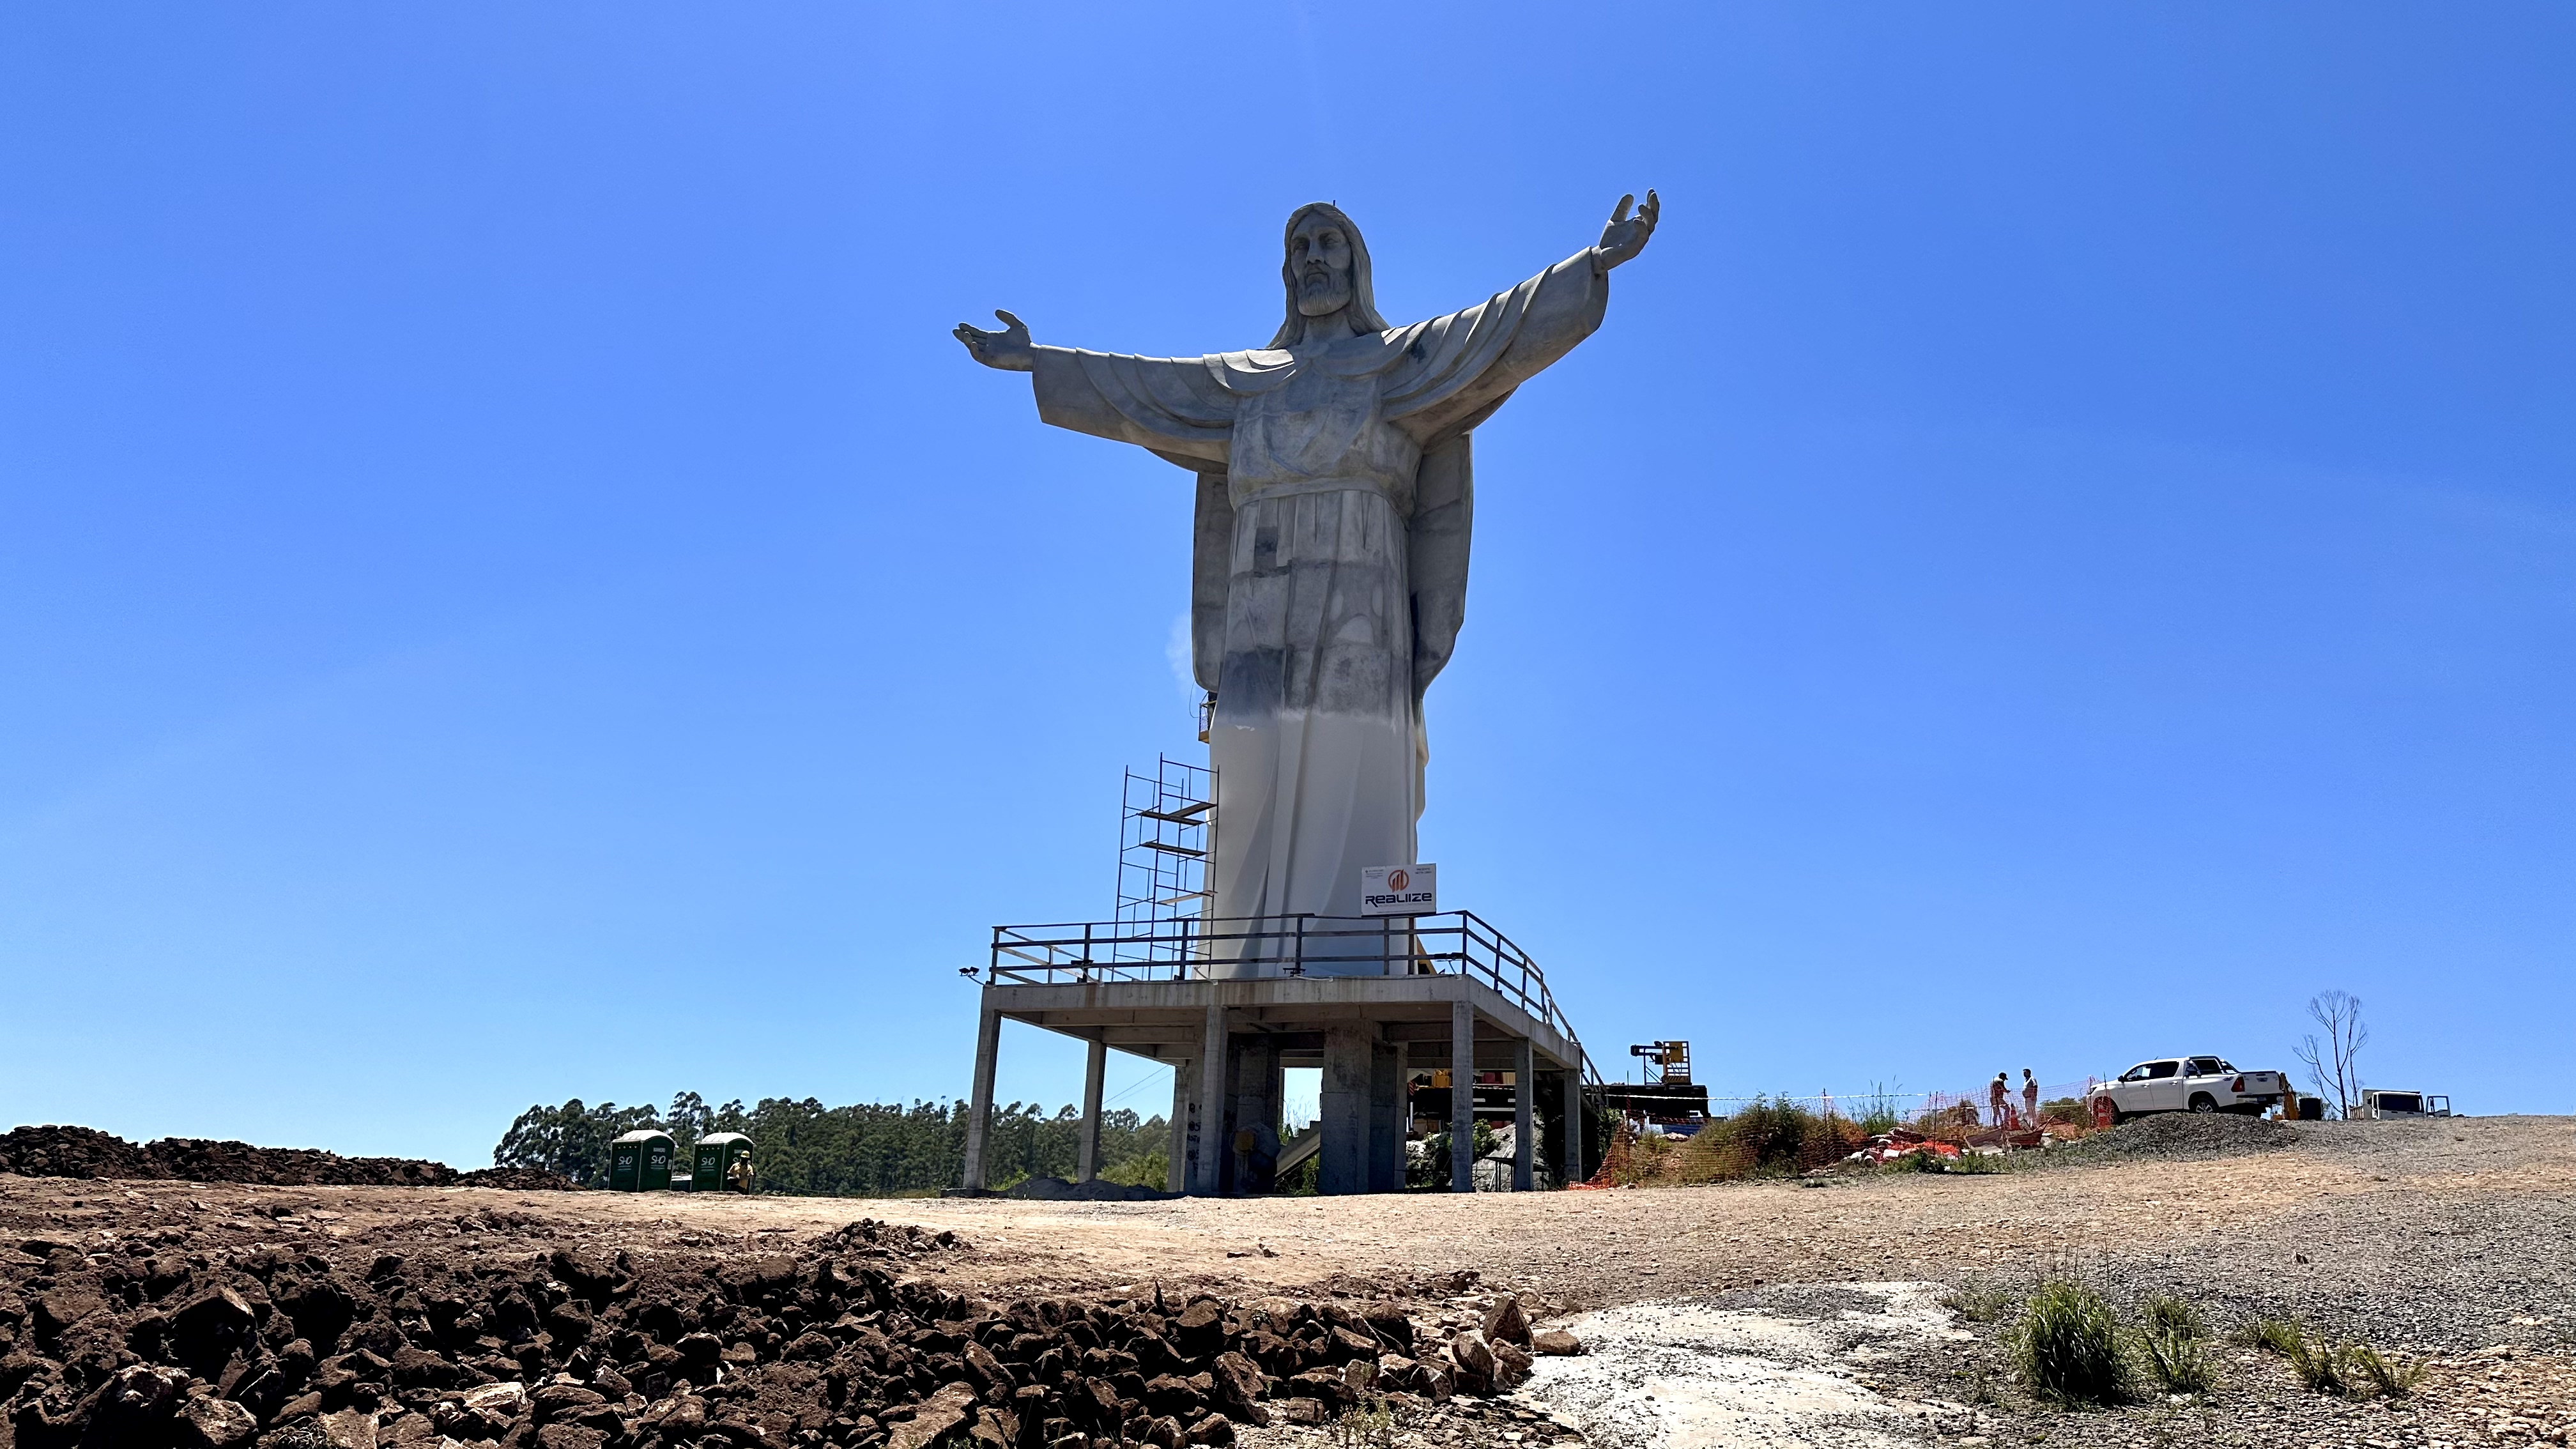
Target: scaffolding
(1166,832)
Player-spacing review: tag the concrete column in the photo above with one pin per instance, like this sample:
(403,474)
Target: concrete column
(979,1103)
(1524,1112)
(1256,1109)
(1093,1070)
(1573,1126)
(1177,1159)
(1343,1108)
(1462,1095)
(1209,1178)
(1386,1134)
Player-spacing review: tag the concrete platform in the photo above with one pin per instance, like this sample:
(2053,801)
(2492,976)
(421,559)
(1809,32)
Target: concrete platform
(1230,1040)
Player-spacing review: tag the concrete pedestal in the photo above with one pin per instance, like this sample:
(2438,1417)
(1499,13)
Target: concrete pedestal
(1229,1043)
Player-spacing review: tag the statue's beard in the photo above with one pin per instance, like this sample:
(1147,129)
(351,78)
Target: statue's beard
(1321,294)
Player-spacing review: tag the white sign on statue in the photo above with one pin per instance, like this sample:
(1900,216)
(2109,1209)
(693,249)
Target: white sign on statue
(1400,890)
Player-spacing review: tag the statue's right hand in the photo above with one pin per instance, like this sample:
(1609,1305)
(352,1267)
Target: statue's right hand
(1627,235)
(1008,349)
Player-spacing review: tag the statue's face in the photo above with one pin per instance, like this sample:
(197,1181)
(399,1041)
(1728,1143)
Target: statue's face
(1319,257)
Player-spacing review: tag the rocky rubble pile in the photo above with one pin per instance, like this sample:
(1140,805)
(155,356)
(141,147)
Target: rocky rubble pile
(85,1152)
(2179,1136)
(513,1179)
(146,1343)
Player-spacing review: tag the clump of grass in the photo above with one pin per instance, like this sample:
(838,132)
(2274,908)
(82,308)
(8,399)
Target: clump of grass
(2319,1364)
(2173,1341)
(1980,1302)
(2282,1336)
(2349,1369)
(2181,1364)
(2166,1313)
(2388,1373)
(2067,1346)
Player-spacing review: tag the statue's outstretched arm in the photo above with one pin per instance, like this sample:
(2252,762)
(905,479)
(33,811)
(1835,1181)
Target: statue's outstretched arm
(1174,406)
(1460,367)
(1009,349)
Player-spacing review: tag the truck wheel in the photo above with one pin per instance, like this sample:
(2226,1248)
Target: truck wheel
(2203,1103)
(2107,1113)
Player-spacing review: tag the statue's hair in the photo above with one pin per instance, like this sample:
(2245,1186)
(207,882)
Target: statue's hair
(1361,314)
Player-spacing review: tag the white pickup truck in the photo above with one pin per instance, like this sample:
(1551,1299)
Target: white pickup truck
(2186,1084)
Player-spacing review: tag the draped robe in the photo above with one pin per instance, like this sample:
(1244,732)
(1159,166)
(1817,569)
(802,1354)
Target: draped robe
(1329,579)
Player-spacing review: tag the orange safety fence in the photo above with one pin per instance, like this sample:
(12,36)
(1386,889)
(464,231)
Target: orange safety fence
(1615,1163)
(2065,1112)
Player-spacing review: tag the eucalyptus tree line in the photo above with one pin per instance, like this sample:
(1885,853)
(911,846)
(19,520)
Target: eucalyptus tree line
(865,1149)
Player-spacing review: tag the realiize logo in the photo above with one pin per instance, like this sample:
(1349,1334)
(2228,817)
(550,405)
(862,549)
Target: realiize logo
(1399,890)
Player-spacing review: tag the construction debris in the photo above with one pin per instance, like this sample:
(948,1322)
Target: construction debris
(1887,1147)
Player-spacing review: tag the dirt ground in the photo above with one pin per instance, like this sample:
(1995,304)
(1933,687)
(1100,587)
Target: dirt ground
(2454,1239)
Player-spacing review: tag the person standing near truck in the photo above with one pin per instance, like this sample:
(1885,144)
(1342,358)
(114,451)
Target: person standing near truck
(1999,1098)
(2029,1099)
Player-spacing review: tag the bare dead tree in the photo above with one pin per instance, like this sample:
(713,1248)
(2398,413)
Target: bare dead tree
(2333,1063)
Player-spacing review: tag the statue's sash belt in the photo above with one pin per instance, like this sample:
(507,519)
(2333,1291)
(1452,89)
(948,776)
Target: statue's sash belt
(1325,485)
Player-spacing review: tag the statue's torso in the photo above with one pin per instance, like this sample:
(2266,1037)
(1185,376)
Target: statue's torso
(1317,431)
(1305,568)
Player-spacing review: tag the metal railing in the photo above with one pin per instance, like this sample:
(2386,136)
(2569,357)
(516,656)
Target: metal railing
(1453,943)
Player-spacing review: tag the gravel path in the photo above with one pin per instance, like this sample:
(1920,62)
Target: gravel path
(1780,1367)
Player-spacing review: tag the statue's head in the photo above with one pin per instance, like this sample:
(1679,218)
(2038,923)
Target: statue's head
(1327,273)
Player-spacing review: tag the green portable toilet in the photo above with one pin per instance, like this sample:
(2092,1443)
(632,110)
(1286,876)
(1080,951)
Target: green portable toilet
(717,1152)
(640,1161)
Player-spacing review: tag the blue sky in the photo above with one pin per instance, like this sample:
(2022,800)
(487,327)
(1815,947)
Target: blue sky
(2064,547)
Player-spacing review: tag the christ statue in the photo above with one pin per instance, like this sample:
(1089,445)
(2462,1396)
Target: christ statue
(1329,571)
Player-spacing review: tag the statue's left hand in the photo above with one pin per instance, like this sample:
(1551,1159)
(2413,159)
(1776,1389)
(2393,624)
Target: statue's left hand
(1626,235)
(1008,349)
